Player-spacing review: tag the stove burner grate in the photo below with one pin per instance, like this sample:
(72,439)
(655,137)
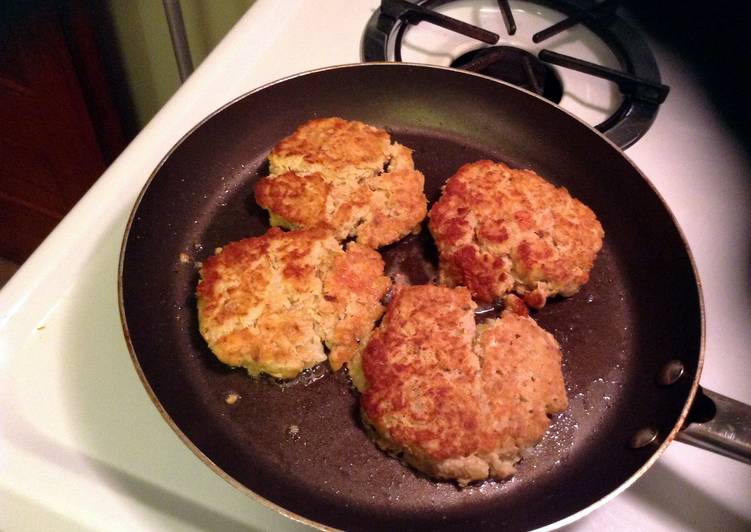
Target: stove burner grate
(639,82)
(592,16)
(516,66)
(508,16)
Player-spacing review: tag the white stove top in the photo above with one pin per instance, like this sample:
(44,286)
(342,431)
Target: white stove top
(590,98)
(82,446)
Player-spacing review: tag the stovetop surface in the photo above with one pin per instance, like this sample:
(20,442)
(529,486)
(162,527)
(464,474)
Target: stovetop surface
(82,446)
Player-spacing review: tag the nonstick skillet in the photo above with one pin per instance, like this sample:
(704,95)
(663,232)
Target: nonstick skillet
(632,338)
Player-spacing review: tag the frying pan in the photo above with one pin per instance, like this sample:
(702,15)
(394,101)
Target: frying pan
(632,338)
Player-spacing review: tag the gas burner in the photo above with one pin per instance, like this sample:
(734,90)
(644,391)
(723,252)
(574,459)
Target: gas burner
(514,65)
(577,53)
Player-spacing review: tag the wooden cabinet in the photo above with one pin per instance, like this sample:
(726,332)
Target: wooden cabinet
(59,123)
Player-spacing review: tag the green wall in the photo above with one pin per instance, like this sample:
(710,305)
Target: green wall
(143,39)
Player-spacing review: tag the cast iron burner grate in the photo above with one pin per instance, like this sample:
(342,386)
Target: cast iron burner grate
(638,81)
(515,66)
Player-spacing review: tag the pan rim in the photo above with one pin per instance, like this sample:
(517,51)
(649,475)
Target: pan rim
(387,64)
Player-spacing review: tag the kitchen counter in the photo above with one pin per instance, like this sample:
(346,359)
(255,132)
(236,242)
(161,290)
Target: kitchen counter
(83,447)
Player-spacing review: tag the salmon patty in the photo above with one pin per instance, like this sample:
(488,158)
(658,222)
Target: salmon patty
(346,176)
(499,230)
(452,399)
(270,303)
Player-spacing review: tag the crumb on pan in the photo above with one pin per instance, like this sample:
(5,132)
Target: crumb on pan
(347,176)
(452,399)
(269,303)
(500,230)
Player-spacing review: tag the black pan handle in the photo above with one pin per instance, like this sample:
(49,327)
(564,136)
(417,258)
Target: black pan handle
(720,424)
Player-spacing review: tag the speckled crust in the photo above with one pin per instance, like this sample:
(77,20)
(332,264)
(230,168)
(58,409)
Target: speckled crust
(456,400)
(350,304)
(500,230)
(267,303)
(346,176)
(332,145)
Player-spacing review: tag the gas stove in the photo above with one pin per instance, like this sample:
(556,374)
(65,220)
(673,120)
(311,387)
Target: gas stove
(81,444)
(580,55)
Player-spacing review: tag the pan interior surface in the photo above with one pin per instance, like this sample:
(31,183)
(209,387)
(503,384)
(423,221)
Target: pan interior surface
(301,445)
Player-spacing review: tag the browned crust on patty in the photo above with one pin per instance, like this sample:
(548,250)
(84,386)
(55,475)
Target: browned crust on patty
(299,199)
(501,230)
(267,303)
(351,302)
(346,176)
(333,143)
(455,400)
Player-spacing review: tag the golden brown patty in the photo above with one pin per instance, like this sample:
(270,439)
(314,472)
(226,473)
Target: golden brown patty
(500,230)
(346,176)
(458,401)
(267,303)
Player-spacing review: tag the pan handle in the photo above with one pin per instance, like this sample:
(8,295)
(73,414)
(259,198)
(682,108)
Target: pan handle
(720,424)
